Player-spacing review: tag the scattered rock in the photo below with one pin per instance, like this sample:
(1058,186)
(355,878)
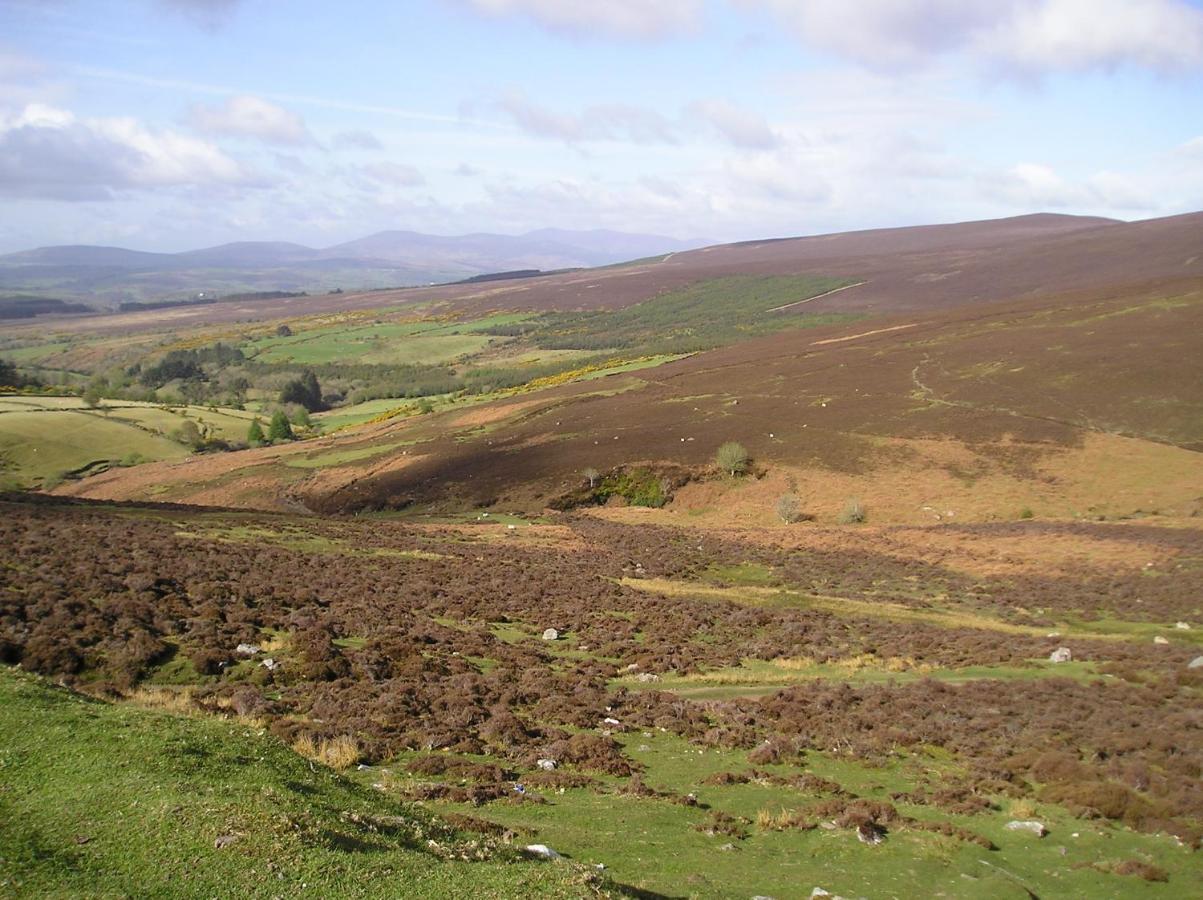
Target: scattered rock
(1061,655)
(647,677)
(541,851)
(1196,663)
(224,841)
(1160,640)
(547,765)
(870,833)
(610,720)
(819,892)
(1182,626)
(1036,828)
(551,635)
(82,839)
(247,650)
(728,847)
(270,664)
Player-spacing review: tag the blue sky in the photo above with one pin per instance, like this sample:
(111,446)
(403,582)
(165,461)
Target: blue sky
(171,124)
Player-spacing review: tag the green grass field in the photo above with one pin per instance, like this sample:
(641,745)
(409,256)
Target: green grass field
(37,447)
(99,800)
(42,438)
(654,844)
(413,343)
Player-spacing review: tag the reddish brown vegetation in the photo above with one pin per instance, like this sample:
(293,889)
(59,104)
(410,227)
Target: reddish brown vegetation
(392,650)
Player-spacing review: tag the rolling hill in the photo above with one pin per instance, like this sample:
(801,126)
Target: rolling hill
(1046,362)
(106,276)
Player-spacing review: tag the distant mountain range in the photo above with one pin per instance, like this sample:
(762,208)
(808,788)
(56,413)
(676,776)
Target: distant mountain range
(105,277)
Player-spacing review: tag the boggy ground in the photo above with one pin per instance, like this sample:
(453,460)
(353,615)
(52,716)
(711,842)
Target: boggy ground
(725,710)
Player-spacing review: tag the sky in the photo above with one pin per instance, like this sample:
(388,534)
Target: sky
(174,124)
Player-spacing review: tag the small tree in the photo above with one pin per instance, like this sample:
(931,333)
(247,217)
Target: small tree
(188,434)
(280,429)
(305,391)
(591,475)
(254,434)
(853,513)
(789,508)
(9,376)
(732,458)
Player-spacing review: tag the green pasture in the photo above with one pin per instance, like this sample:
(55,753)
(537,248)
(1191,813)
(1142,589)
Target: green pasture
(98,800)
(41,446)
(42,438)
(660,846)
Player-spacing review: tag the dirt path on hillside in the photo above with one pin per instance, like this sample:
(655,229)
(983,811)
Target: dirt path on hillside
(817,297)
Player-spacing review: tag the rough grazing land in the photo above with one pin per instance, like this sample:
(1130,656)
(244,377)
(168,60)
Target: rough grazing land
(421,648)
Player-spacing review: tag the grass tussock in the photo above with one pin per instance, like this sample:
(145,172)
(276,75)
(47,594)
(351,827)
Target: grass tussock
(177,701)
(783,820)
(339,753)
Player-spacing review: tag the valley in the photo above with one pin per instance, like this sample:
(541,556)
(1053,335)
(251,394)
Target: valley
(740,572)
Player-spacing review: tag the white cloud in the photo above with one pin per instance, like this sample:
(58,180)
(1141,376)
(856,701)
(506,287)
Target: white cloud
(645,19)
(209,14)
(637,125)
(595,123)
(1192,148)
(49,152)
(246,116)
(357,140)
(1163,35)
(737,125)
(1035,186)
(392,174)
(1025,36)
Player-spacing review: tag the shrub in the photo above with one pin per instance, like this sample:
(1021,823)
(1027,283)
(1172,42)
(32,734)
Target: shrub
(789,508)
(188,434)
(639,487)
(1026,513)
(280,429)
(853,513)
(305,391)
(732,458)
(254,434)
(1147,871)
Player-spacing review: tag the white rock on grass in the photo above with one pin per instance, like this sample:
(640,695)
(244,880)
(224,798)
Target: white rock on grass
(1061,655)
(542,851)
(1160,640)
(1036,828)
(1196,663)
(247,649)
(1182,626)
(547,765)
(551,635)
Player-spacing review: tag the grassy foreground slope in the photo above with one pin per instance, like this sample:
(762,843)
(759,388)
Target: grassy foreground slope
(104,800)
